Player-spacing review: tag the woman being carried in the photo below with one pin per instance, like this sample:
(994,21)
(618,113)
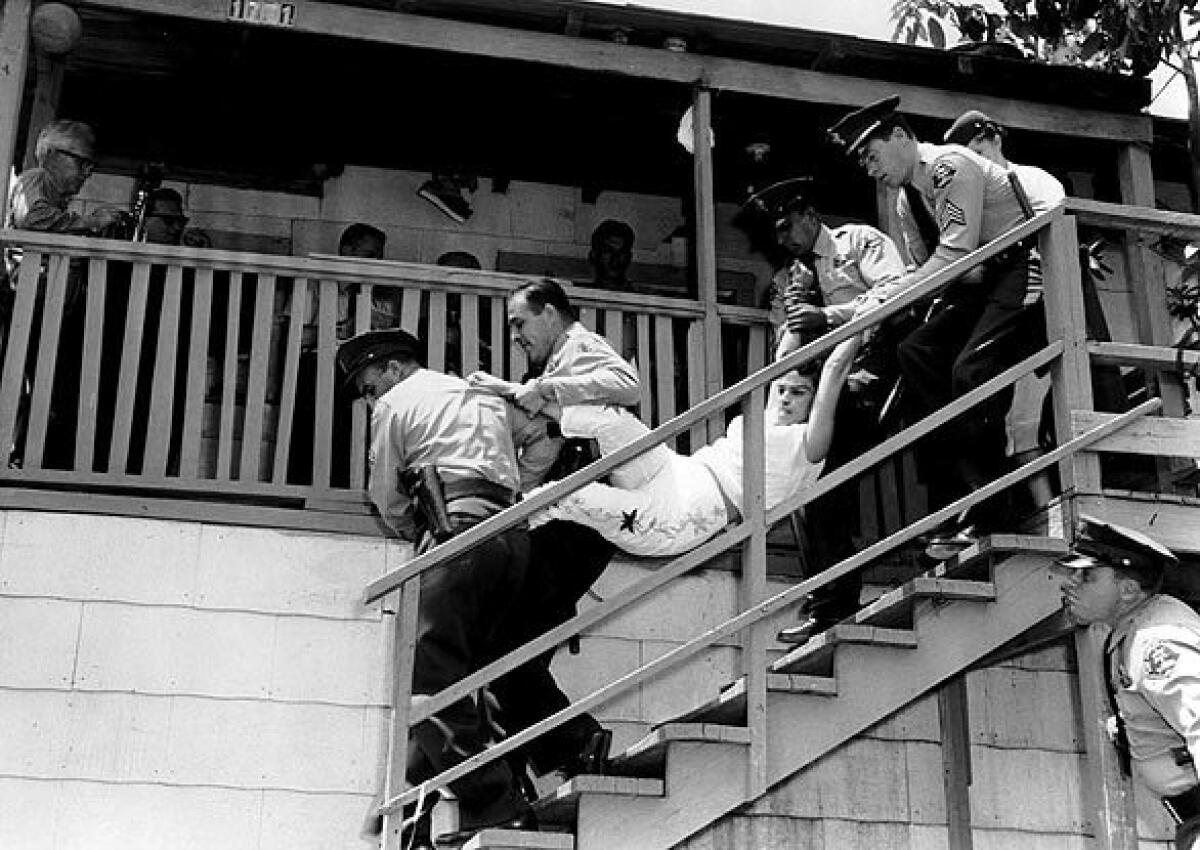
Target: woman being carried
(662,503)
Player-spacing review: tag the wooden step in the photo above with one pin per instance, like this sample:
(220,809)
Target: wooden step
(649,755)
(816,656)
(895,608)
(560,807)
(977,560)
(729,708)
(515,839)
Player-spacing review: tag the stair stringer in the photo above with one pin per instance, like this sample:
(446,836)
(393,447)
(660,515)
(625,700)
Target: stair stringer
(705,781)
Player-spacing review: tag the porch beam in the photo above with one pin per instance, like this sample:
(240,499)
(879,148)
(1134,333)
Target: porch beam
(14,57)
(711,72)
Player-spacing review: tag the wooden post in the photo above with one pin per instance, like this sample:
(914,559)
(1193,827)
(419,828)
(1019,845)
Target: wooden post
(14,55)
(1109,792)
(753,588)
(46,93)
(706,248)
(1071,374)
(956,760)
(1148,292)
(403,645)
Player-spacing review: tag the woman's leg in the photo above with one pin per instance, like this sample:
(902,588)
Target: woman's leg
(613,427)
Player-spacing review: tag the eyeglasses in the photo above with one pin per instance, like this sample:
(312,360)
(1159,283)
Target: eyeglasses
(85,163)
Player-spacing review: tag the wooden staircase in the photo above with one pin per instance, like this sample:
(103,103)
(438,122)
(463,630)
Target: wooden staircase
(692,770)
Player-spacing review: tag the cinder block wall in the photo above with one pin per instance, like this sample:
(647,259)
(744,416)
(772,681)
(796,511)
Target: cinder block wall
(190,685)
(884,789)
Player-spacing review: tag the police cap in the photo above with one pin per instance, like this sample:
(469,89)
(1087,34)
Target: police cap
(1101,543)
(854,129)
(772,204)
(969,125)
(359,352)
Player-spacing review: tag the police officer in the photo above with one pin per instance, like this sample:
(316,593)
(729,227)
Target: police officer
(830,268)
(950,201)
(1152,661)
(442,460)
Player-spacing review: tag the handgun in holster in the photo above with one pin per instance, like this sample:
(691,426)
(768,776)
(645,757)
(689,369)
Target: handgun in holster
(423,486)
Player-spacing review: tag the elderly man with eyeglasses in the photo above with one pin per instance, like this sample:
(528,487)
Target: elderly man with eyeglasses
(39,200)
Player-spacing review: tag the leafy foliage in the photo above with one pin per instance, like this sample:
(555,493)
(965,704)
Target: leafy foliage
(1132,36)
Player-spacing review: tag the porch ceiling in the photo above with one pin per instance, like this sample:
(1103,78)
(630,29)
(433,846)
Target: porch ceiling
(256,106)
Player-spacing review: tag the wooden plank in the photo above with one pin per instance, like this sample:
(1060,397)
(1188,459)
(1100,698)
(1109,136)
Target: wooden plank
(614,330)
(404,641)
(717,73)
(706,245)
(89,377)
(162,393)
(645,367)
(892,497)
(359,413)
(435,345)
(47,91)
(197,375)
(1155,436)
(256,382)
(1139,215)
(229,378)
(1169,520)
(135,323)
(587,318)
(12,387)
(57,270)
(1152,357)
(291,369)
(664,365)
(757,353)
(468,328)
(500,338)
(326,347)
(14,59)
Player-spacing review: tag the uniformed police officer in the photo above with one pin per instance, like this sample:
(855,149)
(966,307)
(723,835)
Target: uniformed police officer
(950,201)
(1152,661)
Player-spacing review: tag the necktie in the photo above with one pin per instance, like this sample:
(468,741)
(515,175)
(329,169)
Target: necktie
(1120,739)
(923,218)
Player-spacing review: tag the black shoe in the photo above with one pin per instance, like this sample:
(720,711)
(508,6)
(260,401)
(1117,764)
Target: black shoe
(593,756)
(806,629)
(526,822)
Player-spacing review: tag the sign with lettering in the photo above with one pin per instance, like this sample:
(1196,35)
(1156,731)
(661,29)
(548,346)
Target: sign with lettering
(265,12)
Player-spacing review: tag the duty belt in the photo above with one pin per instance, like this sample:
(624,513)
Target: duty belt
(479,488)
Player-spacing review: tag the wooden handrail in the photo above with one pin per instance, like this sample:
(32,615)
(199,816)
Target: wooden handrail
(1157,357)
(1127,217)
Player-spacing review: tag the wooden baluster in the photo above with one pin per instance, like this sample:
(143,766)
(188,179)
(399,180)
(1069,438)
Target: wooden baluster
(500,344)
(587,318)
(410,310)
(47,358)
(229,379)
(403,645)
(326,348)
(197,376)
(614,330)
(664,365)
(89,376)
(12,386)
(754,588)
(162,394)
(135,322)
(697,386)
(435,351)
(645,372)
(291,369)
(468,331)
(253,419)
(360,415)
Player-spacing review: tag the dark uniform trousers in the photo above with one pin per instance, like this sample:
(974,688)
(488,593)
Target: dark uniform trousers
(467,608)
(981,329)
(566,560)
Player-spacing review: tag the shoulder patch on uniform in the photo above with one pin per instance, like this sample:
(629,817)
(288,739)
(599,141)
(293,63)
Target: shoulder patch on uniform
(952,213)
(1160,660)
(943,173)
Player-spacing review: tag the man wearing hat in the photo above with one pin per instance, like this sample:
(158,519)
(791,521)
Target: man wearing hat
(1151,658)
(950,201)
(423,420)
(829,268)
(976,131)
